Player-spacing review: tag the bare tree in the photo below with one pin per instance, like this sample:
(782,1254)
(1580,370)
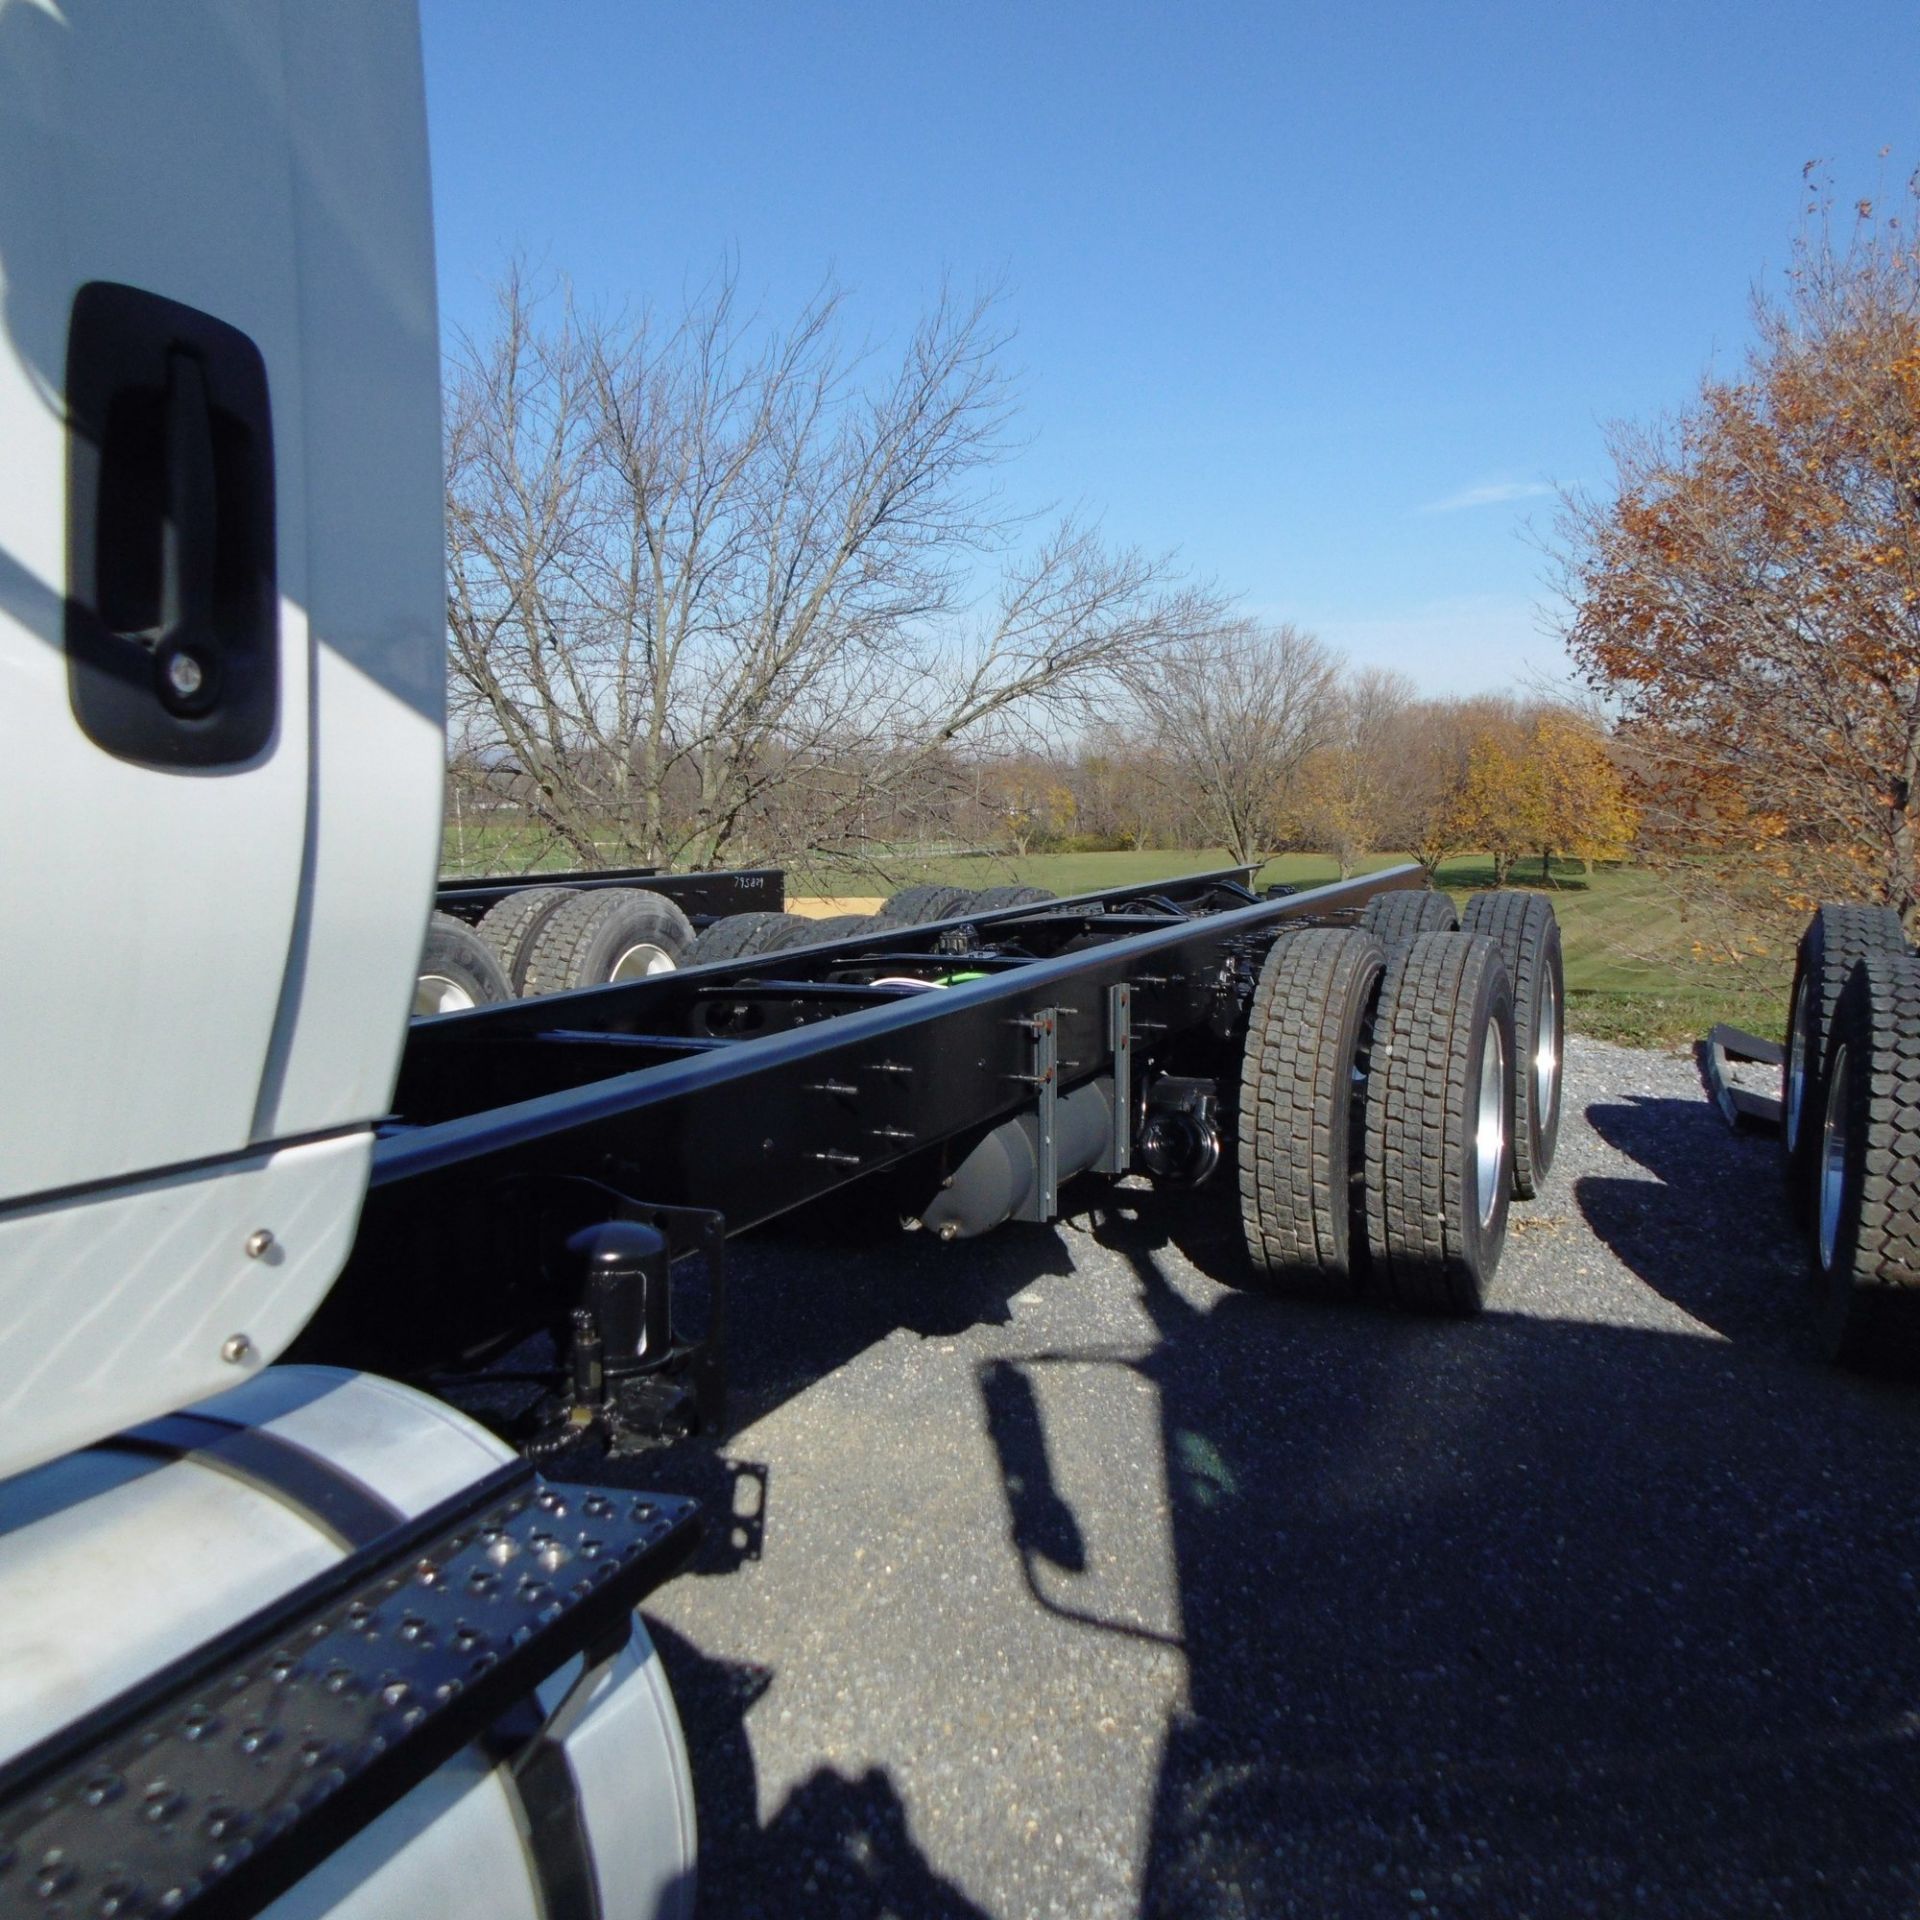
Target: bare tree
(1123,795)
(1235,711)
(713,584)
(1350,796)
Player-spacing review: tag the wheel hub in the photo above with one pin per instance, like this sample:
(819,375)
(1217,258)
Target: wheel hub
(1833,1159)
(1490,1124)
(437,993)
(642,960)
(1546,1048)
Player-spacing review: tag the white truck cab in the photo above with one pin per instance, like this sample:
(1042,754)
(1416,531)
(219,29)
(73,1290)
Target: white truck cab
(221,679)
(221,757)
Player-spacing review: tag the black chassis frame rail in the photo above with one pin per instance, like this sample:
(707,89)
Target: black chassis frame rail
(752,1087)
(700,896)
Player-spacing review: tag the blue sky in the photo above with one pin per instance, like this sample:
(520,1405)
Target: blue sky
(1322,296)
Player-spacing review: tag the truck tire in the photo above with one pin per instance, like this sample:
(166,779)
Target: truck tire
(731,938)
(988,899)
(1866,1200)
(509,926)
(840,926)
(1439,1139)
(1312,1014)
(457,971)
(916,906)
(1836,937)
(1523,927)
(1397,919)
(607,935)
(783,932)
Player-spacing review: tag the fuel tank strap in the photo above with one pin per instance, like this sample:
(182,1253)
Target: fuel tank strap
(551,1820)
(347,1510)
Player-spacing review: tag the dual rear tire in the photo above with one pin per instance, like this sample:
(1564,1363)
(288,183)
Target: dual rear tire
(1391,1071)
(1312,1013)
(1439,1140)
(1836,939)
(510,926)
(919,906)
(1859,1149)
(543,940)
(747,934)
(458,971)
(1523,927)
(605,936)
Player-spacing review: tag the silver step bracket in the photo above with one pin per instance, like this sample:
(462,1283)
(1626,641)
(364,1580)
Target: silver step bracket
(1043,1202)
(1119,1157)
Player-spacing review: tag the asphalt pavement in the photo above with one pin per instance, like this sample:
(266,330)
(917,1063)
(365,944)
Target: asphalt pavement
(1060,1573)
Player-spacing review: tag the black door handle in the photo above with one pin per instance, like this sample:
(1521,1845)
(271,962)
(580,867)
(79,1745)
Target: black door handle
(186,665)
(172,598)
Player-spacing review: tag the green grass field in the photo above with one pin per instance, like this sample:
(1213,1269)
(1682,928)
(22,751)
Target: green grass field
(1065,873)
(1634,973)
(1636,969)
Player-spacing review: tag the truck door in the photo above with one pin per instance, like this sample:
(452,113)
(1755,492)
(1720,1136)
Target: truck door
(198,318)
(222,610)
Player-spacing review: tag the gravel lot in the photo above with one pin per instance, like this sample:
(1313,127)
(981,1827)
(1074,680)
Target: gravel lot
(1083,1582)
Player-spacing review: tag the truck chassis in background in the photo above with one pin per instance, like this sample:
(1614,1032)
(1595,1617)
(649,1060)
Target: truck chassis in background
(700,896)
(547,1161)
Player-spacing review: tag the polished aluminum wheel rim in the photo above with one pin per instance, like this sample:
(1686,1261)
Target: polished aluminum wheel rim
(435,993)
(641,961)
(1490,1125)
(1833,1158)
(1546,1048)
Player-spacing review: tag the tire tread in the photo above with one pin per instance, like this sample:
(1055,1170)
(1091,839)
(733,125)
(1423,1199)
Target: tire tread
(1526,930)
(1397,919)
(731,938)
(1296,1096)
(508,925)
(1418,1102)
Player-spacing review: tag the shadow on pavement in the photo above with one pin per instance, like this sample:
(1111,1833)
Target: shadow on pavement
(1712,1231)
(838,1845)
(1508,1616)
(861,1291)
(1525,1616)
(1042,1524)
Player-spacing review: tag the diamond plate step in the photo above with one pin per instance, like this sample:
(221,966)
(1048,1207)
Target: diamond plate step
(213,1786)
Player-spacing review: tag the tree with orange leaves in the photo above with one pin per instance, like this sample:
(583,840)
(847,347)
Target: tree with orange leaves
(1543,783)
(1503,802)
(1581,807)
(1749,595)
